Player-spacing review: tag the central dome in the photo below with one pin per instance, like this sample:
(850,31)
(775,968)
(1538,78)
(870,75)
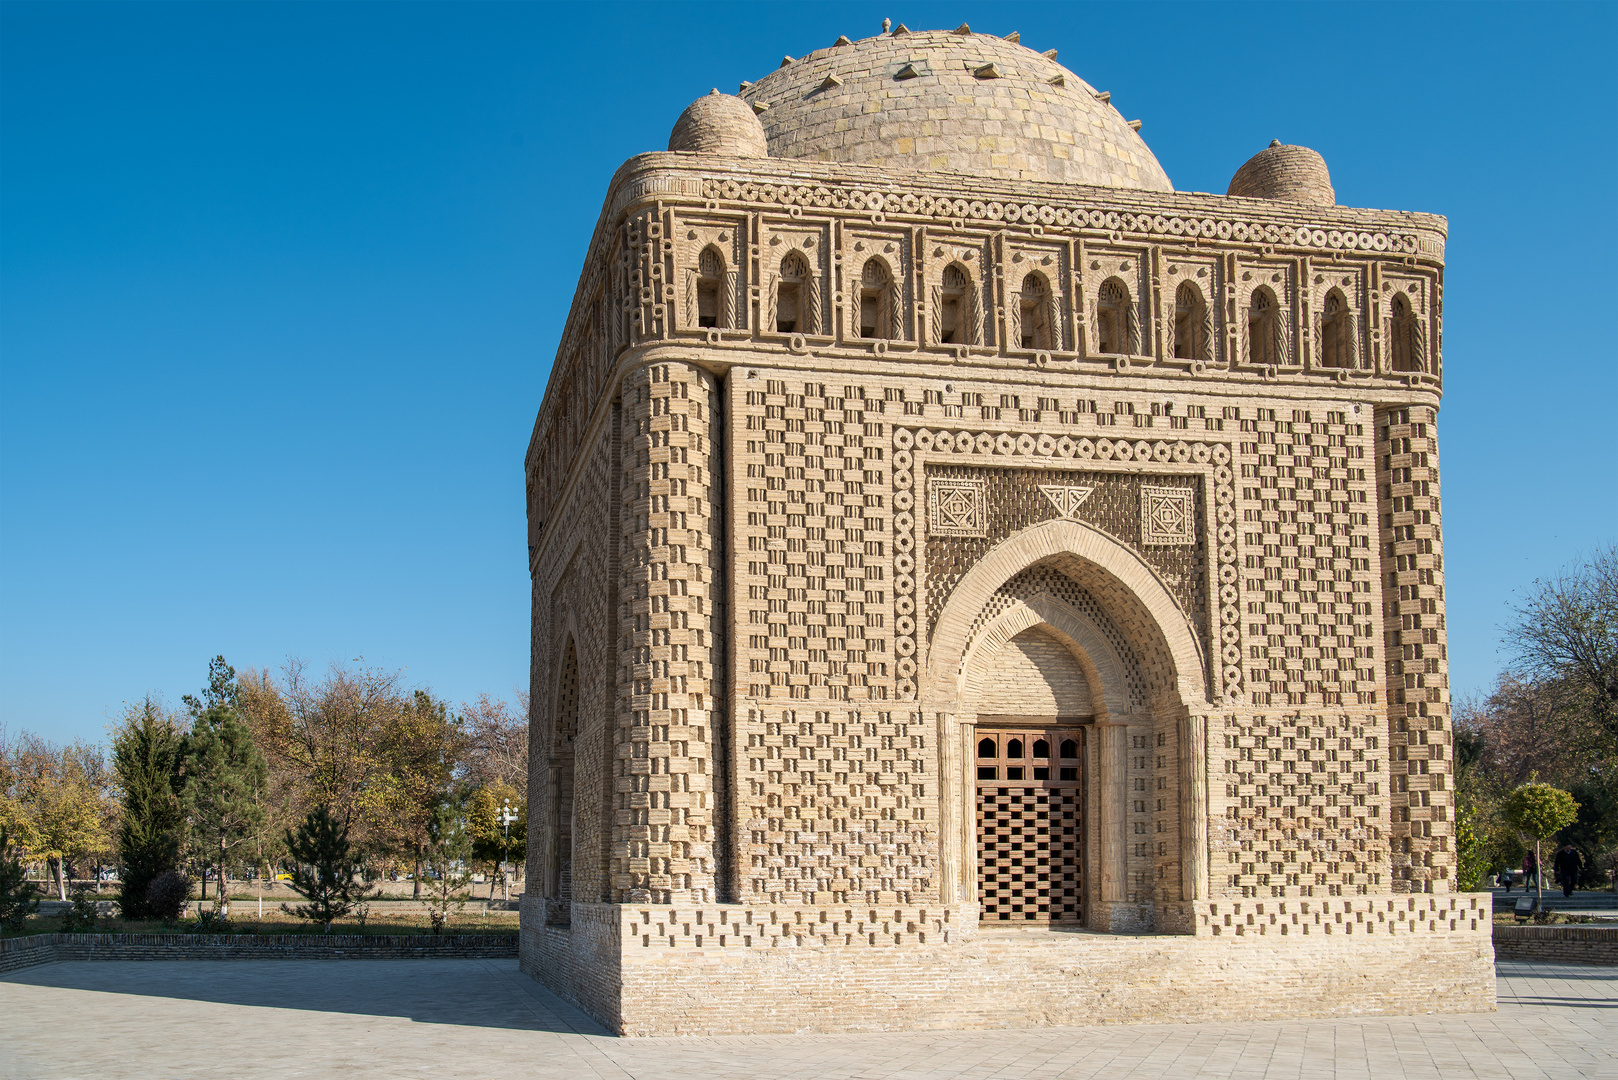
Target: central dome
(951,101)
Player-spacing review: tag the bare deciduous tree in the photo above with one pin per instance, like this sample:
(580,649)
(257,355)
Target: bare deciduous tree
(496,743)
(1565,638)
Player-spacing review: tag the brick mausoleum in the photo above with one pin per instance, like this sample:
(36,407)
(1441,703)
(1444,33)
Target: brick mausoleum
(975,584)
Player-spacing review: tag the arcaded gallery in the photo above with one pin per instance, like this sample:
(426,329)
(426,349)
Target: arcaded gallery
(977,585)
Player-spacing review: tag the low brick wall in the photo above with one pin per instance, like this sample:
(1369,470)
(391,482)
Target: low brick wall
(21,952)
(1557,944)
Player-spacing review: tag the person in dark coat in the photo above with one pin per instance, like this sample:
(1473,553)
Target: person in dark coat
(1567,865)
(1530,871)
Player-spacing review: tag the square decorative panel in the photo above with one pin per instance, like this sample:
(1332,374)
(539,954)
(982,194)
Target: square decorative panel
(1067,498)
(957,508)
(1167,515)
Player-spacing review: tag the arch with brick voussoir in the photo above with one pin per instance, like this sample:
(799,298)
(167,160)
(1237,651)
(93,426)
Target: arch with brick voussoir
(1096,659)
(1163,647)
(1171,658)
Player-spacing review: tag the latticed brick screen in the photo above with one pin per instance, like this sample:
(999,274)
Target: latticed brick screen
(1030,817)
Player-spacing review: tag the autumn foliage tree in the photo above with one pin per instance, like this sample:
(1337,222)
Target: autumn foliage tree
(56,802)
(496,842)
(381,758)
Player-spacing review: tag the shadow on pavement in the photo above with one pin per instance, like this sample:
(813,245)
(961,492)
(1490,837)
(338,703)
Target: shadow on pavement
(470,993)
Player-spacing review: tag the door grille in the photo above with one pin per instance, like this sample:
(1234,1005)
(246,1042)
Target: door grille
(1030,796)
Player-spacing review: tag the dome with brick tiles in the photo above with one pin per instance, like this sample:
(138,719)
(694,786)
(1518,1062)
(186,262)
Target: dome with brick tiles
(1286,174)
(951,101)
(719,124)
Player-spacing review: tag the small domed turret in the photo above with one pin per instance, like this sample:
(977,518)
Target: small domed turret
(1286,174)
(719,124)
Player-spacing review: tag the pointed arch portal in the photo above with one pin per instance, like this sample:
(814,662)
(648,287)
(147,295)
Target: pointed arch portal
(1029,837)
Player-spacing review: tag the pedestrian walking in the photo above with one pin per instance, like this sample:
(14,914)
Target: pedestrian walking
(1567,864)
(1504,876)
(1530,871)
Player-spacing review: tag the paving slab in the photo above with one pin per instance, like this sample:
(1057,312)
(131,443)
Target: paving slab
(463,1018)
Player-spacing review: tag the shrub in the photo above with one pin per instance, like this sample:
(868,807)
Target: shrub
(210,922)
(81,914)
(167,894)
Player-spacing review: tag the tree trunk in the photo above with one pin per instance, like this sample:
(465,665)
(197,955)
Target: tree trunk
(1539,876)
(224,896)
(55,867)
(416,894)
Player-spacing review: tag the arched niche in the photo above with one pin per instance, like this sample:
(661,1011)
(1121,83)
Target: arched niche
(965,652)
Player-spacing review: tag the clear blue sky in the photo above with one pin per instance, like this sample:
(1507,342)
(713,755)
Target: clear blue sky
(280,286)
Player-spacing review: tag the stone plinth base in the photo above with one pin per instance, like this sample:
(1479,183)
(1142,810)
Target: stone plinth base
(725,970)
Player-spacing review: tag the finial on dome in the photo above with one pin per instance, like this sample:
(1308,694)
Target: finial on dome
(842,39)
(1284,173)
(962,29)
(714,91)
(719,124)
(885,24)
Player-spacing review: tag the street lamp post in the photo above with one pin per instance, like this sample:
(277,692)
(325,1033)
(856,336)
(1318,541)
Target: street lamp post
(506,816)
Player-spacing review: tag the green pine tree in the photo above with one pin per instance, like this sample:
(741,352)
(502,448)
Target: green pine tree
(224,771)
(324,871)
(17,893)
(146,761)
(446,856)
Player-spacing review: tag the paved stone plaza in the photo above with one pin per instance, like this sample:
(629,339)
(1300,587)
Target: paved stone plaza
(454,1018)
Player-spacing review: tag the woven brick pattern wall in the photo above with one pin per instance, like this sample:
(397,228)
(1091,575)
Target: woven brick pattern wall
(671,607)
(1419,733)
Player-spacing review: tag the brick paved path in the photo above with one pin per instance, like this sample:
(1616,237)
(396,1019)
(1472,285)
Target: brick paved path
(470,1018)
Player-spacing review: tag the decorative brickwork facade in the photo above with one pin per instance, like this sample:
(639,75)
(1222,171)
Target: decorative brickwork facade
(965,569)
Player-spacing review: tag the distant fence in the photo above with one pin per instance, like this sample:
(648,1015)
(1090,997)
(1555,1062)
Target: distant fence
(22,952)
(1557,944)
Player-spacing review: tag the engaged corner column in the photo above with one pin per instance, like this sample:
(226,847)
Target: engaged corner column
(666,788)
